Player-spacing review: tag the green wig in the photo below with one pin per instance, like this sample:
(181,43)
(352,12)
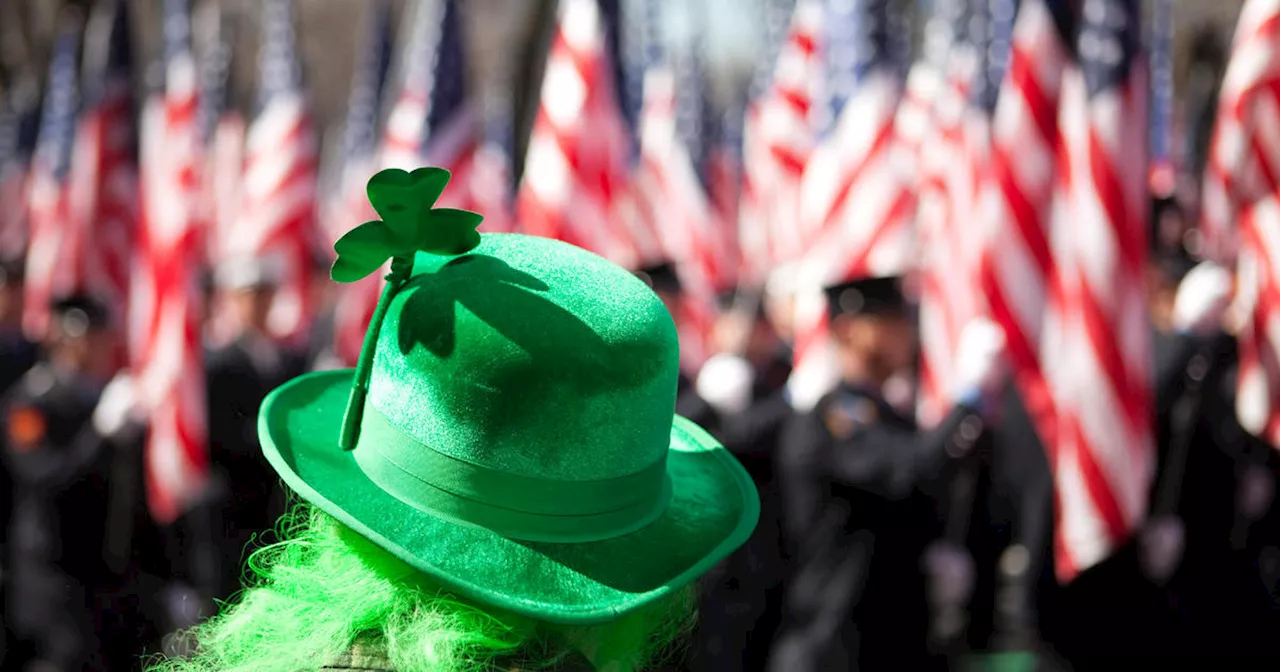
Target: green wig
(324,589)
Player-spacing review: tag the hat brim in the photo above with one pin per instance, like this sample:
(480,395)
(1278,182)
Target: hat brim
(714,507)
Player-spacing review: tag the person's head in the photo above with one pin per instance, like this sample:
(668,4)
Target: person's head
(741,327)
(780,301)
(247,286)
(79,337)
(665,282)
(873,327)
(12,285)
(1166,267)
(1168,260)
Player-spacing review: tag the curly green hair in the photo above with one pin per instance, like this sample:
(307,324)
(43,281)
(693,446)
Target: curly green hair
(324,589)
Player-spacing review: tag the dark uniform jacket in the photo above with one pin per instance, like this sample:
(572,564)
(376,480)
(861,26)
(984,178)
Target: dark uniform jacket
(56,529)
(246,496)
(741,602)
(861,492)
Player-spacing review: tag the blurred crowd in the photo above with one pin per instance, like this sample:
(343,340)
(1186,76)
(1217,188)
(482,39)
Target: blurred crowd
(879,545)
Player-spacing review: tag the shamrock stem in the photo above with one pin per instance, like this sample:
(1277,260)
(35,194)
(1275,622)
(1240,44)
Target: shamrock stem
(401,269)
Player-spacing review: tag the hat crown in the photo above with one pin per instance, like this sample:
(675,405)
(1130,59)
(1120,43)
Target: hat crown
(531,357)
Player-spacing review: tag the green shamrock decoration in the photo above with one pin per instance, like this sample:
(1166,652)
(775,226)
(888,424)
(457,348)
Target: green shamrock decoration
(409,225)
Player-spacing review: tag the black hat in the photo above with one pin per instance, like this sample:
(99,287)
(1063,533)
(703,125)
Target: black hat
(1159,235)
(868,296)
(12,271)
(79,313)
(660,277)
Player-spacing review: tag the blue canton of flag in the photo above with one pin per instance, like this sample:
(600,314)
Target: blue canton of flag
(691,103)
(281,71)
(1161,79)
(449,62)
(633,44)
(777,19)
(991,33)
(108,55)
(1108,43)
(19,123)
(360,128)
(61,107)
(177,30)
(215,76)
(856,41)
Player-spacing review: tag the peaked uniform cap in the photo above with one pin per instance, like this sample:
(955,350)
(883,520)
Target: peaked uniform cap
(518,442)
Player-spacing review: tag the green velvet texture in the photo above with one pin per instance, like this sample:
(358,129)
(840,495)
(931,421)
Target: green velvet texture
(518,442)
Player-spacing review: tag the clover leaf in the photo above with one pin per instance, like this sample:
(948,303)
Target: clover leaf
(409,224)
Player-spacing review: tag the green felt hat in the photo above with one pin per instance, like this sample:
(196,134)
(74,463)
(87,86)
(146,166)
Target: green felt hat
(510,428)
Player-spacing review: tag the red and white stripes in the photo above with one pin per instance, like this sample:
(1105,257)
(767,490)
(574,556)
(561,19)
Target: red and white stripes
(577,176)
(1242,209)
(1101,375)
(1238,171)
(1017,265)
(951,158)
(777,141)
(673,202)
(277,208)
(103,201)
(166,301)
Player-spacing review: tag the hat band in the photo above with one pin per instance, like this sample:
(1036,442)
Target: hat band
(515,506)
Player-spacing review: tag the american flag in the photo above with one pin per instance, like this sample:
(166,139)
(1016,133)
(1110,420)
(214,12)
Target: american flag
(778,138)
(19,121)
(952,236)
(103,191)
(222,130)
(669,193)
(576,184)
(350,206)
(1242,212)
(1103,461)
(925,80)
(277,213)
(48,274)
(166,303)
(430,86)
(856,207)
(722,176)
(471,135)
(1162,96)
(355,302)
(949,162)
(1021,189)
(1237,173)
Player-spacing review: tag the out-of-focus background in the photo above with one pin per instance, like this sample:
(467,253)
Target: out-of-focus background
(1010,268)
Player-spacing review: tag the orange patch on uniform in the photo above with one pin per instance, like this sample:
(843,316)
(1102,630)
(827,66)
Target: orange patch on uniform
(27,427)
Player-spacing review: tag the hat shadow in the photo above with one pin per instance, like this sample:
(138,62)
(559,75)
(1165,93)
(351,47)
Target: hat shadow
(513,304)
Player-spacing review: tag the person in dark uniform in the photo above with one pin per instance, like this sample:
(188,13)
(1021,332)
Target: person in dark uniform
(1216,481)
(245,496)
(743,385)
(54,455)
(663,279)
(852,472)
(17,356)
